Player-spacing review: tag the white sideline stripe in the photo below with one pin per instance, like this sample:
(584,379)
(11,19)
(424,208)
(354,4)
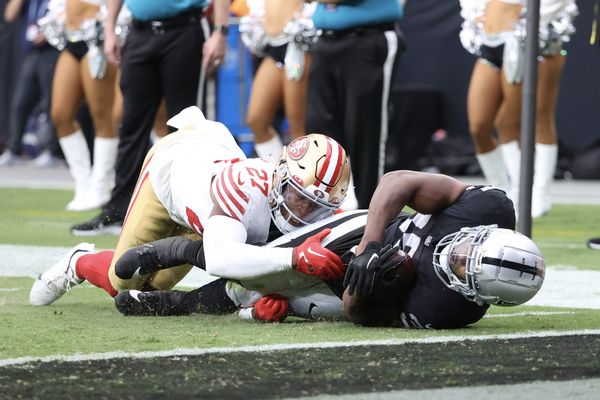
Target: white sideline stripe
(537,390)
(293,346)
(12,289)
(528,314)
(31,261)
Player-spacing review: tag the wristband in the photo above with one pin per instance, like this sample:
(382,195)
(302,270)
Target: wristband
(222,29)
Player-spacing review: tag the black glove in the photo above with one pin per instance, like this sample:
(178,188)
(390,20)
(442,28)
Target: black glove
(365,270)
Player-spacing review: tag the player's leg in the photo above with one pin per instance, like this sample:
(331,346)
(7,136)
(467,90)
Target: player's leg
(159,255)
(146,221)
(208,299)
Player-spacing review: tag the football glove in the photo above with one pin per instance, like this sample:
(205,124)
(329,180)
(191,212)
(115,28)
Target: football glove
(364,271)
(270,308)
(312,258)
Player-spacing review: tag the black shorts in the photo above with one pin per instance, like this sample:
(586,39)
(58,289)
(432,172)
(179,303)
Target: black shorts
(492,55)
(77,49)
(277,53)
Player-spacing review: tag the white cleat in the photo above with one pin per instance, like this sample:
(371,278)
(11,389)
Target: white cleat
(60,278)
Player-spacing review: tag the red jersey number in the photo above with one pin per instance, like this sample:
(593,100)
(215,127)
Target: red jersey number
(258,178)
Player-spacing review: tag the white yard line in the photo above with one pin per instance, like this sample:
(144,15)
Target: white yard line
(292,346)
(528,314)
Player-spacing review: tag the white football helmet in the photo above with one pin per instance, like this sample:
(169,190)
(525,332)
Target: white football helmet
(311,181)
(502,267)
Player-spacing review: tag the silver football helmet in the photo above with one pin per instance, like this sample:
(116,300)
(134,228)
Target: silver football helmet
(487,264)
(311,181)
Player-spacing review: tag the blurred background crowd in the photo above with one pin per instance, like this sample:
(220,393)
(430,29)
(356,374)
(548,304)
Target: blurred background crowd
(90,84)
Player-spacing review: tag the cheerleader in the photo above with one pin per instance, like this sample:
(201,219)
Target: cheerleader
(494,31)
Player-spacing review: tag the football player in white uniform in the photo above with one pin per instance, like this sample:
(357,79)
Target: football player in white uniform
(197,182)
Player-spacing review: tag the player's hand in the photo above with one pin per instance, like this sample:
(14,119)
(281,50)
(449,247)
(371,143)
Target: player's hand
(312,258)
(365,269)
(270,308)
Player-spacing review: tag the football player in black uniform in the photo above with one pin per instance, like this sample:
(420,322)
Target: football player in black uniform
(462,243)
(410,282)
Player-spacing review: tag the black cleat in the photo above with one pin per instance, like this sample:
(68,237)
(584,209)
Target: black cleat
(103,224)
(156,303)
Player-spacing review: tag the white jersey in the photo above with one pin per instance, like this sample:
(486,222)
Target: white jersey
(242,188)
(203,156)
(201,162)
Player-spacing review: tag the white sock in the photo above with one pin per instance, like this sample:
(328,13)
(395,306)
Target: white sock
(494,170)
(512,159)
(77,154)
(105,157)
(269,150)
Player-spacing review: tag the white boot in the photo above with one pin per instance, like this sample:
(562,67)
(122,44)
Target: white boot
(494,170)
(512,160)
(103,174)
(543,175)
(270,150)
(77,155)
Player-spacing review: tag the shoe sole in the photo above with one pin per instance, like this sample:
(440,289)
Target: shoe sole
(114,230)
(593,246)
(80,248)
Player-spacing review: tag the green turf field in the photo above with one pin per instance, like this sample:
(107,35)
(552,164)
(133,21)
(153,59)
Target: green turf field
(85,321)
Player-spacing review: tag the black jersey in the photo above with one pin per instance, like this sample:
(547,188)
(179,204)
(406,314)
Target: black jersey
(429,303)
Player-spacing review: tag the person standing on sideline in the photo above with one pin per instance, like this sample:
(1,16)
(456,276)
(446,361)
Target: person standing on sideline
(166,47)
(495,31)
(350,79)
(34,82)
(282,32)
(82,74)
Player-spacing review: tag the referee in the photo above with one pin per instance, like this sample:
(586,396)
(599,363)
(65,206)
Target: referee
(349,82)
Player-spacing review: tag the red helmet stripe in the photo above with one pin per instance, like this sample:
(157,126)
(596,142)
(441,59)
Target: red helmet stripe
(332,167)
(323,171)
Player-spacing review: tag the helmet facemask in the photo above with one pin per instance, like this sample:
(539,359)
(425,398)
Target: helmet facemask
(463,243)
(293,207)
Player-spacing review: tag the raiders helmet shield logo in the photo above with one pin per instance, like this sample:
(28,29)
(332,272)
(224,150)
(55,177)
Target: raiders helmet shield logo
(297,149)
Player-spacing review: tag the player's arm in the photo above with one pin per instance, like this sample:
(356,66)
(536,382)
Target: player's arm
(424,192)
(228,256)
(380,307)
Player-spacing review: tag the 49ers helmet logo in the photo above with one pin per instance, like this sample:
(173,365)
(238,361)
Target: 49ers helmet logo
(298,148)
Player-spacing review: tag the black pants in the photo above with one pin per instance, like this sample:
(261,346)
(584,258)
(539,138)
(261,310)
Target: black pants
(348,90)
(154,65)
(33,86)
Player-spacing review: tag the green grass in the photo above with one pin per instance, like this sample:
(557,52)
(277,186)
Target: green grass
(38,217)
(85,320)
